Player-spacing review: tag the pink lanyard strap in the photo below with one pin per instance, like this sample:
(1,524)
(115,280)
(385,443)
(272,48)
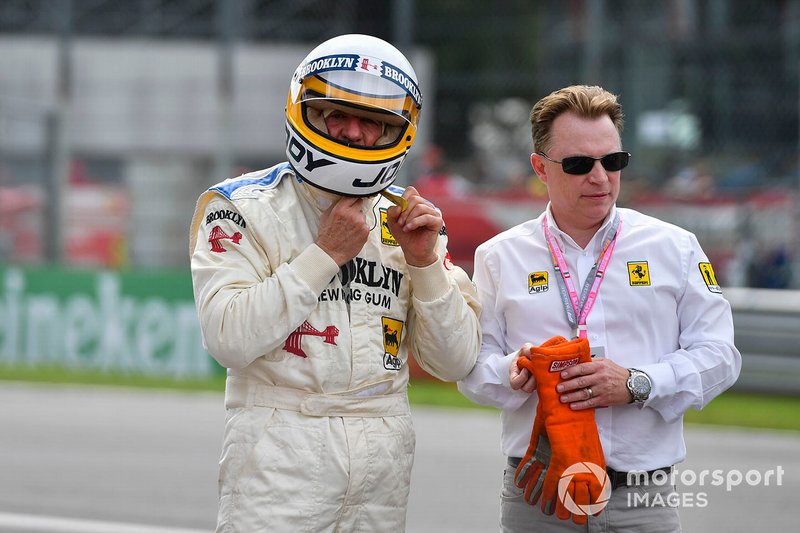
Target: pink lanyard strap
(578,308)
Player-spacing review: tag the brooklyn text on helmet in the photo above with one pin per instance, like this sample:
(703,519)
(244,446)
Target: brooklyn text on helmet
(370,65)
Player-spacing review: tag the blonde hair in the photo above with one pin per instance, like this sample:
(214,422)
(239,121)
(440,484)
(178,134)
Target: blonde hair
(588,101)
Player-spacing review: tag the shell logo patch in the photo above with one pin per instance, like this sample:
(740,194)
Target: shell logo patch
(638,273)
(386,236)
(538,282)
(392,335)
(709,277)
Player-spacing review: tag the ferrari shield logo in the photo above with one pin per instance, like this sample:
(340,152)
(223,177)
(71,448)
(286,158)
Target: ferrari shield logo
(537,282)
(638,273)
(386,236)
(709,278)
(392,335)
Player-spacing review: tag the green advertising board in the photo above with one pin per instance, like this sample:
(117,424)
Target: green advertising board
(140,322)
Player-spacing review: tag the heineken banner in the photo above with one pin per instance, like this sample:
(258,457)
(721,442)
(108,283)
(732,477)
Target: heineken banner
(131,322)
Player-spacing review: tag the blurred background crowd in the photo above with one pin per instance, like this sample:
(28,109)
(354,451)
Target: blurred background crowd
(116,114)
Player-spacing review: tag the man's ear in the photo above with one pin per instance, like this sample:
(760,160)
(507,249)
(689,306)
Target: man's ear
(537,162)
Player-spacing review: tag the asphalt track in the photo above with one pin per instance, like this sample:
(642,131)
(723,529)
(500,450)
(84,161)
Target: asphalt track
(104,460)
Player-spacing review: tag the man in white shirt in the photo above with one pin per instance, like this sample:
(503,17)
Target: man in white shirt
(660,332)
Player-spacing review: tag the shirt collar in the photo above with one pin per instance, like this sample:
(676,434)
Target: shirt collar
(564,239)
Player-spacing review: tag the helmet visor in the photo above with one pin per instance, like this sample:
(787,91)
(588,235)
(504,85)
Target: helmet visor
(359,82)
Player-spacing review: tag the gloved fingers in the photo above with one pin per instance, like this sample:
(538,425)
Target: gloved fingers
(546,351)
(533,487)
(561,511)
(599,494)
(554,341)
(523,472)
(581,491)
(527,472)
(524,362)
(532,475)
(550,491)
(559,347)
(579,519)
(538,449)
(548,505)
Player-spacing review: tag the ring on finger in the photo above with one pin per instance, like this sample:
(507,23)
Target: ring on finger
(589,393)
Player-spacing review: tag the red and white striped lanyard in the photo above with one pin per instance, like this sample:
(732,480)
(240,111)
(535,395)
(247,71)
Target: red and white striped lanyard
(578,308)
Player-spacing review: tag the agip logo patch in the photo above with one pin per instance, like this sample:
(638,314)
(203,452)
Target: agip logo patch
(538,282)
(709,277)
(386,236)
(392,335)
(638,273)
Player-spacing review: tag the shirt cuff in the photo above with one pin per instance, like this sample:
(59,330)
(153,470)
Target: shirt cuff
(662,381)
(315,267)
(429,283)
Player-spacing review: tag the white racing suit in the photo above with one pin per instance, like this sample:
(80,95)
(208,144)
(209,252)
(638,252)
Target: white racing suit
(318,434)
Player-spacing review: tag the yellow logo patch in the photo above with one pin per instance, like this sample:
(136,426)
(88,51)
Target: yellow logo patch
(392,335)
(386,236)
(638,273)
(537,282)
(709,277)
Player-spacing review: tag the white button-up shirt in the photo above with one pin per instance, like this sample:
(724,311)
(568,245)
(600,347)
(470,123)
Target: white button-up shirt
(659,309)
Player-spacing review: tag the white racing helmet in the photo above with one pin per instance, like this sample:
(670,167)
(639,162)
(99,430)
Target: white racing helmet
(364,76)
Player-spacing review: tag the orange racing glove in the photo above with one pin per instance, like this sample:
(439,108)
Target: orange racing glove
(572,436)
(532,468)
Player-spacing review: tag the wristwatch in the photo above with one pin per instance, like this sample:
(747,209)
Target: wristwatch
(639,385)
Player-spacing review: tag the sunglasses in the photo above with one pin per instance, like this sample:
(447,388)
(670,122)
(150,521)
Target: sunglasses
(582,164)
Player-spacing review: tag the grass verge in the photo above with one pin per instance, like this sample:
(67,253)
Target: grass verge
(730,409)
(52,374)
(749,410)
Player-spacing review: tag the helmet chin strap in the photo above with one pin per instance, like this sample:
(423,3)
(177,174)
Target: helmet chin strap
(323,199)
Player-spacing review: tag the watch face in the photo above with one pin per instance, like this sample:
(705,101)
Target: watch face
(641,385)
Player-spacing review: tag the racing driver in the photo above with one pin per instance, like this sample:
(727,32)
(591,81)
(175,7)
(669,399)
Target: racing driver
(313,289)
